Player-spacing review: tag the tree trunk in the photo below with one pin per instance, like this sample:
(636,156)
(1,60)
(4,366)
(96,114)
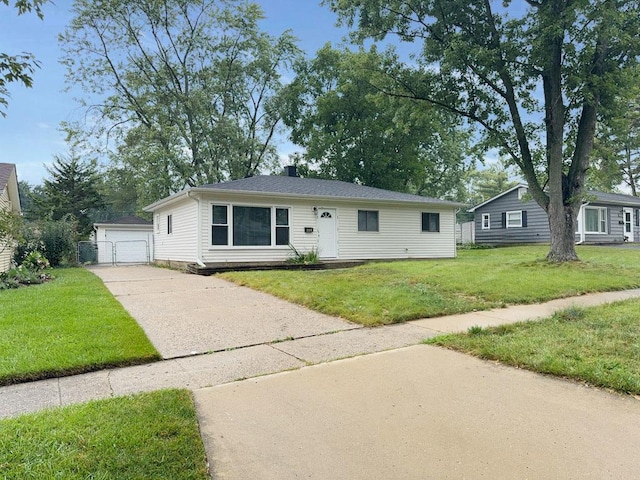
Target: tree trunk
(562,230)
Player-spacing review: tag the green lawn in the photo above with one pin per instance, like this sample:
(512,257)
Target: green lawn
(600,345)
(148,436)
(382,293)
(66,326)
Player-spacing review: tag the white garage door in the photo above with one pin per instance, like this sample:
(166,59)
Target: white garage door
(129,246)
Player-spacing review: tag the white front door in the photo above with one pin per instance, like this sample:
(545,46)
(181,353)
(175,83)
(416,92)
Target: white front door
(628,224)
(327,233)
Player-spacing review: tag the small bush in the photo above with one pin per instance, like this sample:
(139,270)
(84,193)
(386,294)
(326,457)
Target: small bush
(304,258)
(35,261)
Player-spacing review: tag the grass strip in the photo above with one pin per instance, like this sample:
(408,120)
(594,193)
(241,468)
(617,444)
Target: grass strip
(66,326)
(389,292)
(598,345)
(147,436)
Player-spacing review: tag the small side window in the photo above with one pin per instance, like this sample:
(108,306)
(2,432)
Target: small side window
(486,221)
(169,224)
(430,222)
(367,220)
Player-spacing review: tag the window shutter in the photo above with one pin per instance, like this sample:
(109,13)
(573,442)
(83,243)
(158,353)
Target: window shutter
(504,219)
(638,217)
(524,218)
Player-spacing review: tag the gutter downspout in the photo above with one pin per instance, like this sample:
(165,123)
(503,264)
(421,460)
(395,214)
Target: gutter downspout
(198,231)
(581,223)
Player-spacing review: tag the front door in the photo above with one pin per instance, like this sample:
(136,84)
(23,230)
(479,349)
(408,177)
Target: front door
(327,233)
(628,224)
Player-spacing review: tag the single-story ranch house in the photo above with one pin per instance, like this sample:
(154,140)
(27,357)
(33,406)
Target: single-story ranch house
(9,201)
(514,218)
(256,219)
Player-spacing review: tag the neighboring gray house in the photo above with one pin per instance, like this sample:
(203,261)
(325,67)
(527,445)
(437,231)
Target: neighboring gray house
(514,218)
(257,219)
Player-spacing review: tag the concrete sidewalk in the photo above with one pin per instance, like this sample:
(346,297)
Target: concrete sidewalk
(205,370)
(413,414)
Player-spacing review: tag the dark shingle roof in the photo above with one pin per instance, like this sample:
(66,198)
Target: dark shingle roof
(613,198)
(5,172)
(319,188)
(129,220)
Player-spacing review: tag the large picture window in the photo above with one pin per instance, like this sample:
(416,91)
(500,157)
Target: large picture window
(367,220)
(251,226)
(430,222)
(244,226)
(595,219)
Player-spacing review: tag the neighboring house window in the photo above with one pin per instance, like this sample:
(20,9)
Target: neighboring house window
(595,219)
(282,226)
(514,219)
(430,222)
(219,225)
(367,220)
(249,226)
(486,221)
(169,224)
(522,191)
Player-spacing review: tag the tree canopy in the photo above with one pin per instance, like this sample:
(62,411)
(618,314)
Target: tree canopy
(534,77)
(190,89)
(352,131)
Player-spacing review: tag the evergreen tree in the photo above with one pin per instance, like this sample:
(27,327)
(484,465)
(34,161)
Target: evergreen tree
(71,190)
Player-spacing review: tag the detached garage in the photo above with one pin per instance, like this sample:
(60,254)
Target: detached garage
(124,240)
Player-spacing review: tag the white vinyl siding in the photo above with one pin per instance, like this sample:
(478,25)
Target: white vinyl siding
(181,244)
(7,253)
(400,234)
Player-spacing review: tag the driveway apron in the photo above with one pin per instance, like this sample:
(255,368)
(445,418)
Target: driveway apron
(186,314)
(417,413)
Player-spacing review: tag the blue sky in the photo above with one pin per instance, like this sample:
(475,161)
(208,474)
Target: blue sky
(29,135)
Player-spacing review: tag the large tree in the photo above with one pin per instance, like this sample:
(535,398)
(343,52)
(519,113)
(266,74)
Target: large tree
(21,66)
(617,146)
(352,131)
(193,82)
(532,74)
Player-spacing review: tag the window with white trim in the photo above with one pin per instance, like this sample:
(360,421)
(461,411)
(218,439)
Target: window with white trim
(367,220)
(486,221)
(514,219)
(249,226)
(595,220)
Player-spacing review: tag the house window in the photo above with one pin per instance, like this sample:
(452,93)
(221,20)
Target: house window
(251,226)
(486,221)
(367,220)
(219,225)
(595,219)
(242,226)
(169,224)
(282,226)
(430,222)
(514,219)
(522,192)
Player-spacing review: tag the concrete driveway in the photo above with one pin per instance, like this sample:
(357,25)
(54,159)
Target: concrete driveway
(186,314)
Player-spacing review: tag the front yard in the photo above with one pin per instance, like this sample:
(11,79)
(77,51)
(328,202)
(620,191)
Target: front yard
(66,326)
(390,292)
(148,436)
